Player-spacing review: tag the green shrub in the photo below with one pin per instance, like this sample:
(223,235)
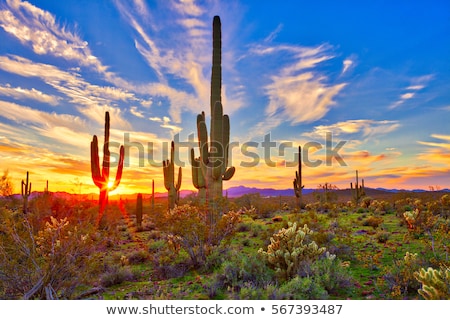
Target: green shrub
(189,227)
(240,270)
(373,222)
(115,276)
(137,257)
(299,288)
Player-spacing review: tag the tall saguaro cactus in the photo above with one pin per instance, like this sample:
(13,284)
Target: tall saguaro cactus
(26,191)
(139,211)
(358,192)
(213,161)
(298,187)
(101,176)
(169,178)
(153,196)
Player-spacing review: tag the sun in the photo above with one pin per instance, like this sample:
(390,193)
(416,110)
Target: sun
(110,184)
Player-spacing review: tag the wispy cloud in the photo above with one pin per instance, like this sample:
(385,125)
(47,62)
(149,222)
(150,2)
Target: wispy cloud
(274,33)
(91,100)
(38,28)
(417,84)
(297,91)
(19,93)
(364,127)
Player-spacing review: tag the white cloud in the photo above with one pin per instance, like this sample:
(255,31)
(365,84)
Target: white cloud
(274,33)
(365,127)
(31,94)
(134,111)
(39,29)
(188,7)
(346,65)
(417,83)
(90,100)
(407,96)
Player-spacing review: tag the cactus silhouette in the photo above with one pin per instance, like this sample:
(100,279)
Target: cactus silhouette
(153,196)
(169,178)
(26,191)
(358,192)
(101,176)
(139,210)
(298,187)
(213,161)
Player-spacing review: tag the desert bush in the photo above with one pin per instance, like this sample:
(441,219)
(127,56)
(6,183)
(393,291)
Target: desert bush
(290,251)
(333,275)
(382,236)
(168,264)
(399,277)
(137,257)
(243,271)
(116,275)
(300,288)
(47,263)
(189,228)
(372,221)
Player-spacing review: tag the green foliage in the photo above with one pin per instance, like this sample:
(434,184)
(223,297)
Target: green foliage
(240,271)
(291,251)
(372,221)
(301,288)
(435,283)
(399,276)
(116,275)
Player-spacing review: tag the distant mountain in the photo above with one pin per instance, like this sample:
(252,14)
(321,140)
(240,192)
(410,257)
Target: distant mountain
(233,192)
(239,191)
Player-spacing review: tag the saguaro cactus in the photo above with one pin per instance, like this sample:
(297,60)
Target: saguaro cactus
(169,178)
(213,161)
(298,187)
(139,211)
(358,192)
(153,196)
(26,191)
(198,180)
(101,177)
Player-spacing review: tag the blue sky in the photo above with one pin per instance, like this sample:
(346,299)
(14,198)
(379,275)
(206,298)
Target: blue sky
(375,74)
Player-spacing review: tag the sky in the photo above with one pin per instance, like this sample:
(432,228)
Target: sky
(362,84)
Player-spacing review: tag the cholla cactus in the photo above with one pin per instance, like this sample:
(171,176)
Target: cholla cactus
(435,283)
(289,249)
(410,217)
